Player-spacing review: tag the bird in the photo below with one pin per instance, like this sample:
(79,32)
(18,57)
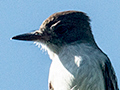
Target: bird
(77,61)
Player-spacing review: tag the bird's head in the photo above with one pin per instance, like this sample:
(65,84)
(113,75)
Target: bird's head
(61,29)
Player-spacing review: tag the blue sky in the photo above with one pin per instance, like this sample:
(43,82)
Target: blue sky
(23,66)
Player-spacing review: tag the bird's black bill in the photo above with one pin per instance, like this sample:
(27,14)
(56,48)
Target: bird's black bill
(26,37)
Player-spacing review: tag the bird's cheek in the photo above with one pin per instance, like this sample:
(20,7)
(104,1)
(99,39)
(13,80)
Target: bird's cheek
(45,37)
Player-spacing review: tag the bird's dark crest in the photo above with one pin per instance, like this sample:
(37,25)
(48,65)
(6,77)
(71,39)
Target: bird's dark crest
(67,16)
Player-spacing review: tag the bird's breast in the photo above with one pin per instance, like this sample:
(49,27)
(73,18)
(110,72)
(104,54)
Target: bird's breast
(76,68)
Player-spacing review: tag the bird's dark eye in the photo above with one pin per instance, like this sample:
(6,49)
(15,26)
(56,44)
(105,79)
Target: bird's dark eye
(61,30)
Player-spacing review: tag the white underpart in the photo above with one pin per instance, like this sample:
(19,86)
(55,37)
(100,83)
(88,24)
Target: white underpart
(76,67)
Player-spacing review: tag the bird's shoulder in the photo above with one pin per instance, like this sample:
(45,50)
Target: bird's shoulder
(108,72)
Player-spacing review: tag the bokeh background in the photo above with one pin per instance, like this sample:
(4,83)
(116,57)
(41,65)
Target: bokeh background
(23,66)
